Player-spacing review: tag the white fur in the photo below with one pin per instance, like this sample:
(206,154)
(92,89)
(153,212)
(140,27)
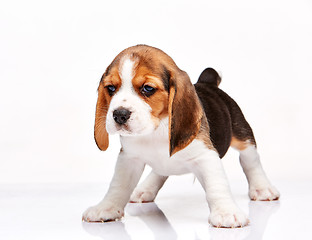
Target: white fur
(144,143)
(140,121)
(144,148)
(260,187)
(127,174)
(126,71)
(148,189)
(195,158)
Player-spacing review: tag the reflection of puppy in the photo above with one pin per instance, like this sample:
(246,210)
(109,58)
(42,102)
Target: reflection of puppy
(174,127)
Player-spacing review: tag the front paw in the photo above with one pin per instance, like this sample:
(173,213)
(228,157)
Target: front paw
(264,193)
(228,218)
(102,213)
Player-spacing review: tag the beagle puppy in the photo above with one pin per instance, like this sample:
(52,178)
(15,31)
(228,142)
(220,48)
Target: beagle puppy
(175,127)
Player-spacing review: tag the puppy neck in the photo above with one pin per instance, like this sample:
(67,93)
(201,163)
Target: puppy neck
(158,136)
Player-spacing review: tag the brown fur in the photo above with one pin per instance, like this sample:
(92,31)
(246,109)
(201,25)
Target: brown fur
(100,133)
(174,97)
(157,101)
(226,120)
(201,111)
(238,144)
(203,134)
(185,112)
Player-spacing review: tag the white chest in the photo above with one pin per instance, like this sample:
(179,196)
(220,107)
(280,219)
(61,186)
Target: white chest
(153,149)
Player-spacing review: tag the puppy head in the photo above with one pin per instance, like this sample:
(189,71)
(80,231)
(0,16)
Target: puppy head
(140,87)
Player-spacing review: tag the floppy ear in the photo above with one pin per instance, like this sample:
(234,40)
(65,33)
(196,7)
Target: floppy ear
(185,112)
(100,133)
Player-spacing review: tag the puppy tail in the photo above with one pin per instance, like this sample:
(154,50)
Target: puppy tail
(210,76)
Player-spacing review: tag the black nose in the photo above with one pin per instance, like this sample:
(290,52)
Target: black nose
(121,115)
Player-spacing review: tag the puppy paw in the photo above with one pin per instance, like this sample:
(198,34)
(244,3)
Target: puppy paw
(264,193)
(142,196)
(226,218)
(102,213)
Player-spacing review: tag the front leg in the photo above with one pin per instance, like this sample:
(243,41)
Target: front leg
(128,171)
(224,212)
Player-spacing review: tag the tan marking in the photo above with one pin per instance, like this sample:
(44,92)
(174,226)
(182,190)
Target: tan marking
(204,134)
(181,104)
(159,100)
(239,144)
(185,112)
(171,97)
(112,79)
(102,105)
(100,133)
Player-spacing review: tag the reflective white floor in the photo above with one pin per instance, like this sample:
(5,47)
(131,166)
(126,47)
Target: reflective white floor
(53,211)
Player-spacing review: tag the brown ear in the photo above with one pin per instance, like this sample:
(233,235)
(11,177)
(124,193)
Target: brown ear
(100,133)
(185,112)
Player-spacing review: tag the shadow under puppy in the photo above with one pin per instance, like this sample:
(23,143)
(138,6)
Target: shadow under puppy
(175,127)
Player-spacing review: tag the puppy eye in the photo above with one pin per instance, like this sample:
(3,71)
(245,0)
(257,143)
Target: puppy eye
(148,90)
(111,89)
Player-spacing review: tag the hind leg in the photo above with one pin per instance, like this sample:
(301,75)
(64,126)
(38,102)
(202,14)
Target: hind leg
(260,188)
(148,189)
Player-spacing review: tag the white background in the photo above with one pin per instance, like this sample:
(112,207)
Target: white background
(53,53)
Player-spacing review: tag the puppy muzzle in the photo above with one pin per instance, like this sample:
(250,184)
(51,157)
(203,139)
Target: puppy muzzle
(121,115)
